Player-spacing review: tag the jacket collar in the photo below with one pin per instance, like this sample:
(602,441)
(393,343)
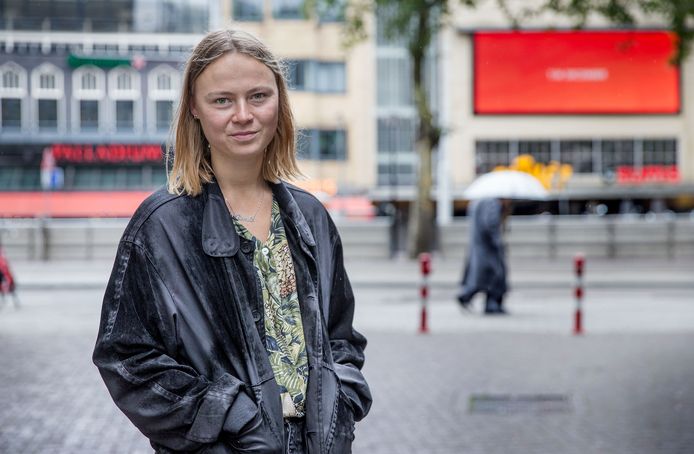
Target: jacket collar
(288,205)
(219,237)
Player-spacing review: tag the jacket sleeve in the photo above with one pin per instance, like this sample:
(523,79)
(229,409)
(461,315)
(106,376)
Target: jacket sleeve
(169,402)
(346,343)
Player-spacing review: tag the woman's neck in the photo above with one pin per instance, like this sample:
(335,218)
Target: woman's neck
(239,177)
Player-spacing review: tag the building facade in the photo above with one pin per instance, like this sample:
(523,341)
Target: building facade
(95,84)
(606,101)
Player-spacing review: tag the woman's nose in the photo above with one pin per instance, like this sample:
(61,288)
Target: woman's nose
(242,114)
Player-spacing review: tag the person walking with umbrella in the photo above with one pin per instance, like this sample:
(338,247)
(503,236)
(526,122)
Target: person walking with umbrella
(485,265)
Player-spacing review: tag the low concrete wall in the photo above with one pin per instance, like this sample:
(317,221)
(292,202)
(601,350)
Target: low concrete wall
(605,236)
(97,239)
(526,236)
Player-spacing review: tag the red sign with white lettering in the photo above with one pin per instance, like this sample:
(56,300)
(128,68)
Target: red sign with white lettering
(648,174)
(85,153)
(575,72)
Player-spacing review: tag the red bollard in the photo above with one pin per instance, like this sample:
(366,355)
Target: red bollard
(579,262)
(425,267)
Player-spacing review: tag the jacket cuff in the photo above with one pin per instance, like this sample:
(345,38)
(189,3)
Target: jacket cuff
(355,389)
(242,411)
(211,414)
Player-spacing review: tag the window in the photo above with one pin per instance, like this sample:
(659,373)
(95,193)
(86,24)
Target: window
(331,145)
(617,153)
(11,113)
(396,174)
(124,82)
(489,154)
(330,77)
(164,115)
(248,10)
(394,81)
(10,79)
(659,152)
(124,115)
(89,83)
(321,77)
(577,153)
(87,178)
(322,144)
(331,13)
(297,75)
(540,150)
(48,113)
(12,90)
(164,81)
(584,156)
(89,114)
(396,135)
(288,9)
(47,81)
(48,90)
(144,176)
(22,178)
(124,90)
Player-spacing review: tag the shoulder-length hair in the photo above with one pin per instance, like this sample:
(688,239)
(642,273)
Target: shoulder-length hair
(192,166)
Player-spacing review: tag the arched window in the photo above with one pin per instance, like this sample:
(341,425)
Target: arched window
(89,91)
(48,91)
(10,79)
(164,84)
(13,88)
(88,81)
(124,90)
(124,81)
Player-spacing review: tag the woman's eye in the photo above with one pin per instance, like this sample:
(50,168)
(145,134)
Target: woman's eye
(221,101)
(258,96)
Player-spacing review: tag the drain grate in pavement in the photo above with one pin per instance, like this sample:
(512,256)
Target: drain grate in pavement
(519,403)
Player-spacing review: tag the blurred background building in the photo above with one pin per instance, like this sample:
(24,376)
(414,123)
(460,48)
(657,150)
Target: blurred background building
(88,90)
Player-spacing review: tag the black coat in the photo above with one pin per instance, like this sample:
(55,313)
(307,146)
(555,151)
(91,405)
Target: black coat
(485,267)
(181,341)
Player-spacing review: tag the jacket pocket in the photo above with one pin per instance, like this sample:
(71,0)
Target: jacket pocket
(344,426)
(341,428)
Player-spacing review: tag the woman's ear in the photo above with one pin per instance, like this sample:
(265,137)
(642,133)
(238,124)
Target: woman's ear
(194,111)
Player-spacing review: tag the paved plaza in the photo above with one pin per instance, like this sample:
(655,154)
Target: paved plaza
(625,386)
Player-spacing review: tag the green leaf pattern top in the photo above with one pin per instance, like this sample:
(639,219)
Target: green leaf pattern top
(284,332)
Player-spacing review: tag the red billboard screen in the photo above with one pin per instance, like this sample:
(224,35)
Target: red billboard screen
(575,72)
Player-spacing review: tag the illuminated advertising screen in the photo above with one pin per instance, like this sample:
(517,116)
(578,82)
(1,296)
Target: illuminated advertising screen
(575,72)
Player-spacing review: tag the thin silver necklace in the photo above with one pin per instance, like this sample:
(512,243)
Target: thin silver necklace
(241,218)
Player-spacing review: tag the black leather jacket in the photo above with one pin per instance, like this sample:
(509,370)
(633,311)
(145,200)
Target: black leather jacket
(181,341)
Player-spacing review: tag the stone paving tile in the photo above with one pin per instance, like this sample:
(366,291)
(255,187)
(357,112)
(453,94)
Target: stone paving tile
(631,391)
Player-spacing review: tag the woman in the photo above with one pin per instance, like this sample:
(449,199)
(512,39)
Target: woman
(227,322)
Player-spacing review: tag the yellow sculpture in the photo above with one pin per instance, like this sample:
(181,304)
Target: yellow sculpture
(553,175)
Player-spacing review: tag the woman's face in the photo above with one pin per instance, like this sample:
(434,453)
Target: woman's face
(236,101)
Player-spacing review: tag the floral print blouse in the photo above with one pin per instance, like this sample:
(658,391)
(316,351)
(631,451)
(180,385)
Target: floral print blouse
(284,332)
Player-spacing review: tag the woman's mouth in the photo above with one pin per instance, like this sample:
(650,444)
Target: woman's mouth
(244,135)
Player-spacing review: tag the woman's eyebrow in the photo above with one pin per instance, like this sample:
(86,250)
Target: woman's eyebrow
(217,94)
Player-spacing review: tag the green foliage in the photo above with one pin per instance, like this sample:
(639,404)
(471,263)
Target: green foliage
(405,19)
(675,15)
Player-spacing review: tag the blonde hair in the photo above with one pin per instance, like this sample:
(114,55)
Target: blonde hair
(192,166)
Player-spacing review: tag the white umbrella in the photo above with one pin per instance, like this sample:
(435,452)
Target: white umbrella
(506,184)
